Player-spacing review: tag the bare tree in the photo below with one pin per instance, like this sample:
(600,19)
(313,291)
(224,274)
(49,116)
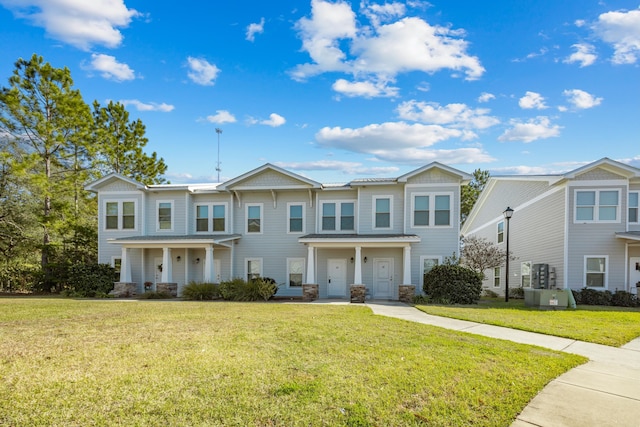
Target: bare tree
(479,254)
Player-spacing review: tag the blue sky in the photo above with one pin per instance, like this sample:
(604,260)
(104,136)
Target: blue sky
(337,90)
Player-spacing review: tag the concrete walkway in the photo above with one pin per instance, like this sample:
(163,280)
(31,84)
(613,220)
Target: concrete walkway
(603,392)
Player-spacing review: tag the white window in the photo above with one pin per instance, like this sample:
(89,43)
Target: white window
(525,274)
(116,263)
(432,209)
(211,217)
(595,271)
(337,216)
(497,271)
(295,220)
(597,206)
(382,215)
(428,262)
(501,232)
(120,215)
(633,207)
(295,272)
(254,218)
(165,215)
(253,267)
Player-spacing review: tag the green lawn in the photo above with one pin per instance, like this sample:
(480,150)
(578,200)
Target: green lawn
(613,326)
(147,363)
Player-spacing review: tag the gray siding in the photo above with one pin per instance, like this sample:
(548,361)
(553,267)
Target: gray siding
(366,206)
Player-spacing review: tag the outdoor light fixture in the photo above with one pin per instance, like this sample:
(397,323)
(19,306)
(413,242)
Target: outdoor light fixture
(508,213)
(178,258)
(197,260)
(351,260)
(365,260)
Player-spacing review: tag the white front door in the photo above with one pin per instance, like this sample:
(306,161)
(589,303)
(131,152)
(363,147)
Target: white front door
(634,273)
(383,278)
(157,272)
(337,278)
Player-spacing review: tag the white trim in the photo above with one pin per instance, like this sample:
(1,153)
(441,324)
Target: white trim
(636,207)
(304,269)
(596,206)
(304,217)
(523,275)
(210,206)
(499,277)
(338,216)
(246,217)
(173,215)
(374,211)
(498,232)
(606,272)
(432,209)
(120,202)
(425,257)
(246,267)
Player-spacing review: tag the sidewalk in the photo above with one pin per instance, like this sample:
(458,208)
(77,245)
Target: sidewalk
(603,392)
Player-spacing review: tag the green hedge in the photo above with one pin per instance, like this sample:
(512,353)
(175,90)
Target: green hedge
(262,288)
(453,284)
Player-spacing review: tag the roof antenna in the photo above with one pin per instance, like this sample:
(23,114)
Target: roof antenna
(218,131)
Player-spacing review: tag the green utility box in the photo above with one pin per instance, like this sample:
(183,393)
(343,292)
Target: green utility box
(548,299)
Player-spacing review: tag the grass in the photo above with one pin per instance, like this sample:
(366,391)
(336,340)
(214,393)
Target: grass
(97,363)
(612,326)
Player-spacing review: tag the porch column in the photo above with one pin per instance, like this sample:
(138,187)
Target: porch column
(167,273)
(125,266)
(311,270)
(209,273)
(357,274)
(406,262)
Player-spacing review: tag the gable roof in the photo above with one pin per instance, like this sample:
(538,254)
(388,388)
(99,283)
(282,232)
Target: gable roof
(464,177)
(236,183)
(606,163)
(108,179)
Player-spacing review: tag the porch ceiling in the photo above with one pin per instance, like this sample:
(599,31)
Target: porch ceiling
(363,240)
(180,241)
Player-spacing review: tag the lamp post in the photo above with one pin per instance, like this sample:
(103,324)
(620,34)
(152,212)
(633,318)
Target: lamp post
(508,213)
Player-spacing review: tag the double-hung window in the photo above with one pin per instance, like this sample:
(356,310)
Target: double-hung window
(211,217)
(296,217)
(254,218)
(597,206)
(382,213)
(337,216)
(432,209)
(595,271)
(120,215)
(295,271)
(633,207)
(501,232)
(525,274)
(253,268)
(165,216)
(497,271)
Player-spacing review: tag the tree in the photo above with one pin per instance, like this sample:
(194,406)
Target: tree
(120,143)
(471,192)
(480,255)
(42,113)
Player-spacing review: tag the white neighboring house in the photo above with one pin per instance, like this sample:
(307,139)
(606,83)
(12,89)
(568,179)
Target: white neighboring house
(582,225)
(269,222)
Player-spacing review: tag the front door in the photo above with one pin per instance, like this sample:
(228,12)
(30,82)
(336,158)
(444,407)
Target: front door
(157,270)
(634,273)
(337,278)
(383,278)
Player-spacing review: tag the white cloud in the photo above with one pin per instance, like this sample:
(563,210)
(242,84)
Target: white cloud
(148,106)
(455,115)
(253,29)
(584,54)
(581,99)
(337,43)
(366,89)
(486,97)
(221,116)
(274,120)
(349,168)
(622,30)
(400,142)
(532,100)
(202,72)
(80,23)
(110,68)
(537,128)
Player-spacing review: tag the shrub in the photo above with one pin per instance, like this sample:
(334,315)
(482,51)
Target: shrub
(89,280)
(593,297)
(201,291)
(253,290)
(453,284)
(488,293)
(624,299)
(156,295)
(421,299)
(517,293)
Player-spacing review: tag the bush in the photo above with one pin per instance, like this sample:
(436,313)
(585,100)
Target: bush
(156,295)
(588,296)
(488,293)
(516,293)
(261,288)
(89,280)
(624,299)
(201,291)
(453,284)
